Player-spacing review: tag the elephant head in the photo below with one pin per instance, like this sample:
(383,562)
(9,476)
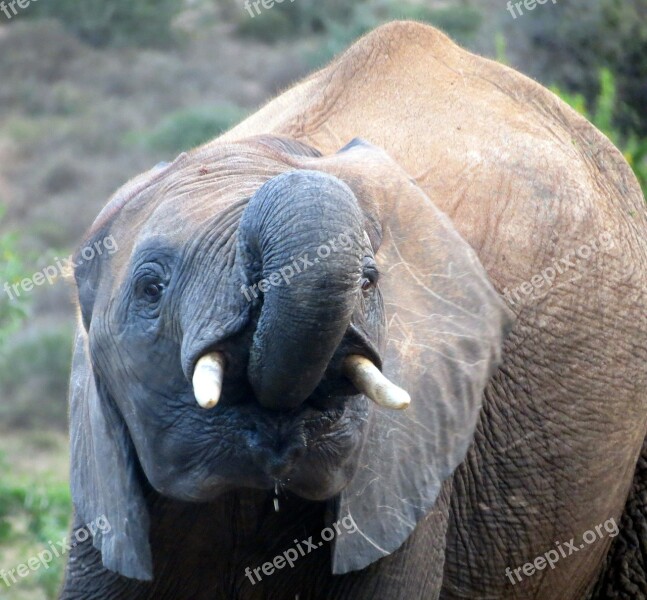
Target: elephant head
(263,307)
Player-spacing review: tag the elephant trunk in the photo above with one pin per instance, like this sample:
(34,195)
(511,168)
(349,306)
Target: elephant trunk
(301,235)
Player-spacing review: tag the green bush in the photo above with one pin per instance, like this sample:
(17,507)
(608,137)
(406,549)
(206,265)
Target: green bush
(342,22)
(33,514)
(288,19)
(460,23)
(31,364)
(271,27)
(569,44)
(188,128)
(13,310)
(600,113)
(118,22)
(34,375)
(341,35)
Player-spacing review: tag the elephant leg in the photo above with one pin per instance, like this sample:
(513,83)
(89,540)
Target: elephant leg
(625,572)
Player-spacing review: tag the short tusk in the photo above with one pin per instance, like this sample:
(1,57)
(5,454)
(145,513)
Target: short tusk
(367,379)
(207,379)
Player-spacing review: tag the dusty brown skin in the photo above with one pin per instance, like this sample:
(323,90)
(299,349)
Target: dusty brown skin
(527,182)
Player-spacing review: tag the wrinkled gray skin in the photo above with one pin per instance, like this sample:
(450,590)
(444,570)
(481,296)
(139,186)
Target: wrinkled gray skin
(553,434)
(288,418)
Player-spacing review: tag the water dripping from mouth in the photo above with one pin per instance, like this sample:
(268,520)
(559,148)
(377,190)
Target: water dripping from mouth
(276,496)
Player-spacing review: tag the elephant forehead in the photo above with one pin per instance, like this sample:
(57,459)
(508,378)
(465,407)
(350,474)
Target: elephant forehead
(177,218)
(178,209)
(194,196)
(201,192)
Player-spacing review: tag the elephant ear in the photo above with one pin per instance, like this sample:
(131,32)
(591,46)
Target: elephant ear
(104,476)
(445,329)
(105,472)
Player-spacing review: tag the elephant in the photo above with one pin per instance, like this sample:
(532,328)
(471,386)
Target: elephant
(386,338)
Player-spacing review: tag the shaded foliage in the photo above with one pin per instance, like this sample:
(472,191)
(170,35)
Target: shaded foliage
(12,271)
(342,22)
(188,128)
(570,43)
(118,22)
(33,516)
(601,112)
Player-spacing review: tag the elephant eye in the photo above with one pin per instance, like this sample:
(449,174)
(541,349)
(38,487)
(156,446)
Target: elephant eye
(151,278)
(153,291)
(150,288)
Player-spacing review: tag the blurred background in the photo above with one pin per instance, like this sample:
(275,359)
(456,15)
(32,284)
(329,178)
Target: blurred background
(94,92)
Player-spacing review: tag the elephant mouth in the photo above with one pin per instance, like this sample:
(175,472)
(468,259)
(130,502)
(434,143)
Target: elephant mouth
(295,437)
(310,450)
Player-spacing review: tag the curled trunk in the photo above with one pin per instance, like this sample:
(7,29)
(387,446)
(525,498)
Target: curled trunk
(301,235)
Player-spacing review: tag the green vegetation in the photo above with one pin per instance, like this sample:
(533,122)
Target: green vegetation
(460,23)
(291,19)
(341,23)
(34,511)
(571,44)
(30,362)
(34,374)
(188,128)
(117,23)
(601,113)
(12,312)
(269,28)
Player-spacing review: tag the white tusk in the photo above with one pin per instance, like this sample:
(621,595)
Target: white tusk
(367,379)
(207,379)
